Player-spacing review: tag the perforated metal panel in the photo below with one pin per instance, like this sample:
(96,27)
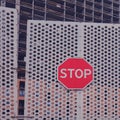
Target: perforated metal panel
(101,100)
(8,61)
(48,45)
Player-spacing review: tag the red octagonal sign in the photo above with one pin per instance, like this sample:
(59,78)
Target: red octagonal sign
(75,73)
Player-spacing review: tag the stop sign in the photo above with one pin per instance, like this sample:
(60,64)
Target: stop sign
(75,73)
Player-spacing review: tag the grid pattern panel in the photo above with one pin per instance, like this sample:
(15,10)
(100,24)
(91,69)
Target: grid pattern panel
(8,61)
(48,45)
(102,49)
(68,10)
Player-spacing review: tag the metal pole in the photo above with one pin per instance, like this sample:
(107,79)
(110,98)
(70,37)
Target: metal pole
(80,93)
(45,14)
(33,10)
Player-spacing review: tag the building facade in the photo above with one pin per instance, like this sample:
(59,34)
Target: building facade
(102,11)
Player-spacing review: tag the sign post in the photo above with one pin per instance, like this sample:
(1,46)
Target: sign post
(76,73)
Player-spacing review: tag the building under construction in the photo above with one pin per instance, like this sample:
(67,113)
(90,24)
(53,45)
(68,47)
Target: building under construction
(102,11)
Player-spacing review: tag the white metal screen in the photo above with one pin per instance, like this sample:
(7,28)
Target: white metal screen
(8,63)
(48,45)
(101,100)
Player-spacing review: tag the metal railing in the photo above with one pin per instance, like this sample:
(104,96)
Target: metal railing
(22,117)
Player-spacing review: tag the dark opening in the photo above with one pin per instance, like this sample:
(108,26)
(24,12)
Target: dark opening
(22,89)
